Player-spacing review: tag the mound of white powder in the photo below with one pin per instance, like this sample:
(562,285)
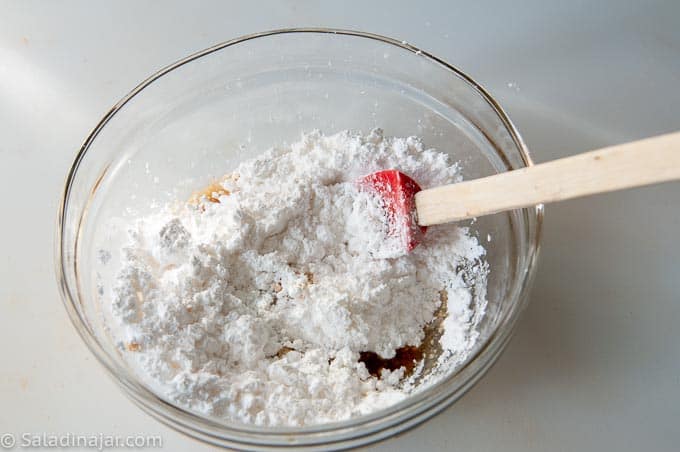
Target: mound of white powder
(254,303)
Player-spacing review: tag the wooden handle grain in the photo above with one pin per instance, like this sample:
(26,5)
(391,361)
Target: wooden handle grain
(634,164)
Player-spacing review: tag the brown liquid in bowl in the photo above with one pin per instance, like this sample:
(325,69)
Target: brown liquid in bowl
(410,356)
(407,357)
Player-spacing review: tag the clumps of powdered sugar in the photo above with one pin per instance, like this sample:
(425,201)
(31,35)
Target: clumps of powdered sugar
(255,308)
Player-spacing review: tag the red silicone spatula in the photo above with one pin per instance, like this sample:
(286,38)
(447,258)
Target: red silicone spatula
(628,165)
(397,191)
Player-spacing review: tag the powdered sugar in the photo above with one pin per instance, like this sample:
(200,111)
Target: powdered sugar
(255,308)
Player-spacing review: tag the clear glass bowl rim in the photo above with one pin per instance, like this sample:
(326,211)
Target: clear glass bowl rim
(356,431)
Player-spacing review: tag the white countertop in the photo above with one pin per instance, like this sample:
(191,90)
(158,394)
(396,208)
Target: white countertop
(595,364)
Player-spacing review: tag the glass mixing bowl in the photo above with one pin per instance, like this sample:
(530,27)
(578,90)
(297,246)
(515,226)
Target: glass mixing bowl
(198,118)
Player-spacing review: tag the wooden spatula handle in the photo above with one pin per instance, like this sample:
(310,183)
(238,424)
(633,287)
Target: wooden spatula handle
(643,162)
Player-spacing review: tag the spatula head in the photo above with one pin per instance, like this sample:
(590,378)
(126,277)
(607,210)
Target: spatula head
(397,193)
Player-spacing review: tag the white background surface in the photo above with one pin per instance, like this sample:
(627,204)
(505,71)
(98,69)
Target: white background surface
(595,364)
